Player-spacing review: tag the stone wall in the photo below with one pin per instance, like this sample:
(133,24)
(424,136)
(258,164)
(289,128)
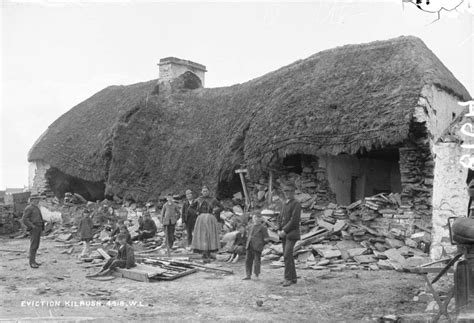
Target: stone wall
(449,195)
(37,181)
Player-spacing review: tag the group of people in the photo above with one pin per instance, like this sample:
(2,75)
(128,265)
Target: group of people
(201,218)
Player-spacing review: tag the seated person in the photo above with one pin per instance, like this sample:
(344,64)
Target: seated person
(125,258)
(124,230)
(238,247)
(115,230)
(146,229)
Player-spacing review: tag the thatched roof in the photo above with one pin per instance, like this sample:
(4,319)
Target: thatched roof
(343,100)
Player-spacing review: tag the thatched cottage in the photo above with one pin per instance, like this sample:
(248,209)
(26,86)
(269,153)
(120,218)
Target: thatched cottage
(365,116)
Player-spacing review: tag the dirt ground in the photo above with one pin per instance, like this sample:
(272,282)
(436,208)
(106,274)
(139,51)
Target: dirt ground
(319,296)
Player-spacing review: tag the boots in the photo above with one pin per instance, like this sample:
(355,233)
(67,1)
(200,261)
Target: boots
(33,263)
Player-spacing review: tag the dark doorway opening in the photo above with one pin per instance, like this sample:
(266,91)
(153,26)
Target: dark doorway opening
(227,189)
(61,183)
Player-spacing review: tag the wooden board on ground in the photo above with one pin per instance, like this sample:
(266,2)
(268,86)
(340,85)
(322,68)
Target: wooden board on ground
(175,276)
(103,253)
(140,272)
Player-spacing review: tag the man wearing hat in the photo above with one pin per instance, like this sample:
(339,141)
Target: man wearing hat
(189,215)
(33,220)
(289,231)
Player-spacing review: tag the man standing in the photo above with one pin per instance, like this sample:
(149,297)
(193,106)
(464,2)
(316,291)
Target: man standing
(34,223)
(189,215)
(289,231)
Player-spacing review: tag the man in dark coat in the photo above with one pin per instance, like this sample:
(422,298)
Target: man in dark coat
(189,214)
(146,229)
(289,231)
(33,220)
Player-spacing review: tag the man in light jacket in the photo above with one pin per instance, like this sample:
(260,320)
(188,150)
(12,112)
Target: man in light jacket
(169,217)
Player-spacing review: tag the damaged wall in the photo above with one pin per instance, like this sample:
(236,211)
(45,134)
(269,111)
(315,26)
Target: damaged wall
(449,195)
(436,110)
(37,182)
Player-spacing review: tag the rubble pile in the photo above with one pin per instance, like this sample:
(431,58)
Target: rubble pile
(8,221)
(352,237)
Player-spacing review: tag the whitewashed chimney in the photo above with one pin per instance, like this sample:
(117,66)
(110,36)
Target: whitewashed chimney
(172,67)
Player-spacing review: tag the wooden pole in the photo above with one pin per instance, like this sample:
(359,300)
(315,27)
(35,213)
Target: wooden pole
(270,188)
(242,180)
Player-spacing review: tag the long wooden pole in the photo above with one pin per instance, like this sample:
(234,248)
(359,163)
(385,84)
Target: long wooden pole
(270,188)
(242,180)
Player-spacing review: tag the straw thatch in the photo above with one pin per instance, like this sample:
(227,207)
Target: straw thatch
(343,100)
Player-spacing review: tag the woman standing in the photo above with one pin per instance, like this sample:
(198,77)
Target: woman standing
(206,229)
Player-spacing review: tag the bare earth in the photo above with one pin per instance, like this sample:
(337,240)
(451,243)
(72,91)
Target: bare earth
(319,296)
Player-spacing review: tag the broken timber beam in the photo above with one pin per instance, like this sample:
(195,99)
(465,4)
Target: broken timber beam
(192,265)
(241,173)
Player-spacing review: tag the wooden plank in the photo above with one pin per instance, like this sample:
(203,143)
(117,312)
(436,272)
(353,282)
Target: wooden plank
(140,272)
(192,265)
(173,277)
(315,239)
(435,262)
(9,250)
(103,253)
(312,233)
(125,273)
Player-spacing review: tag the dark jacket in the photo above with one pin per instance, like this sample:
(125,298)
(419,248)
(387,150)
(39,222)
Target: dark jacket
(32,217)
(188,212)
(126,253)
(85,228)
(169,213)
(207,205)
(240,239)
(149,225)
(257,235)
(289,219)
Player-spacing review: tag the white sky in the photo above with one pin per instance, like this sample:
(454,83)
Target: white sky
(55,55)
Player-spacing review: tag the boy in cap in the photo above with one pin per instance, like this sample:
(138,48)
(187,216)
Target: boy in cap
(33,220)
(258,236)
(169,217)
(289,231)
(125,258)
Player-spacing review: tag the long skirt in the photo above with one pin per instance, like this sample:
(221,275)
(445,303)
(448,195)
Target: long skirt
(206,233)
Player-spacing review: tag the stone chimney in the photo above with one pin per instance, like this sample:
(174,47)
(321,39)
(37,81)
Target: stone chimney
(172,67)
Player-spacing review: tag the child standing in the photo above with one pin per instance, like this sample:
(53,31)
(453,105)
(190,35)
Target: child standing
(258,236)
(85,229)
(125,258)
(169,217)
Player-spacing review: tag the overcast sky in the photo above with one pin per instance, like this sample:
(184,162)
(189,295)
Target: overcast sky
(54,55)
